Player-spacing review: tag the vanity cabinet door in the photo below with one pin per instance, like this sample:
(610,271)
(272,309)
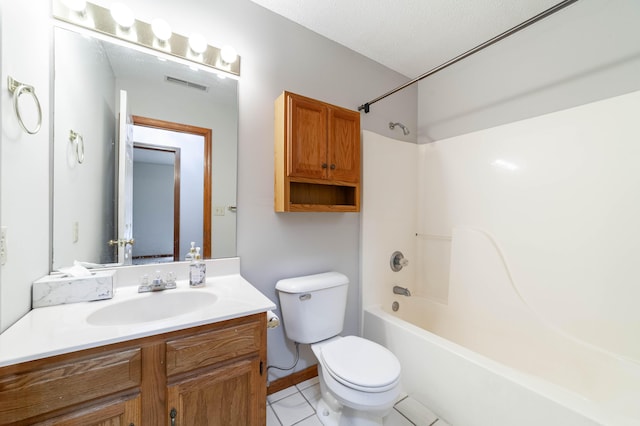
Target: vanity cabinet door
(224,396)
(120,412)
(218,376)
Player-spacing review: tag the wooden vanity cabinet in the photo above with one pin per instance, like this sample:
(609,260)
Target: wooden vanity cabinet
(208,375)
(317,156)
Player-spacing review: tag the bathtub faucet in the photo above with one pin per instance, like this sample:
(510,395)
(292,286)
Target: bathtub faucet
(401,290)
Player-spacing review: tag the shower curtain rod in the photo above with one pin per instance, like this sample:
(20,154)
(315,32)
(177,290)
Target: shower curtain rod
(476,49)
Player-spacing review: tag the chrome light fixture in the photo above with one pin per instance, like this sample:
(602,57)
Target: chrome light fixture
(119,22)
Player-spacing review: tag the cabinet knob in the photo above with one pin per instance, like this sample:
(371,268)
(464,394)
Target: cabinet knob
(173,413)
(324,165)
(333,167)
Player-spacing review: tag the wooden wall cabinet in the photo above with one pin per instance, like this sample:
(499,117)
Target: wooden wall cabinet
(317,156)
(209,375)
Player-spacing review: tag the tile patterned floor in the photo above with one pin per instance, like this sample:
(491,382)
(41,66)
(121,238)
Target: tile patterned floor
(296,406)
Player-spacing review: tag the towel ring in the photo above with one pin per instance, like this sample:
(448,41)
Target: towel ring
(18,89)
(78,144)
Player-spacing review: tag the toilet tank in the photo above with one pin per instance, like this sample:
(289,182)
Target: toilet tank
(313,306)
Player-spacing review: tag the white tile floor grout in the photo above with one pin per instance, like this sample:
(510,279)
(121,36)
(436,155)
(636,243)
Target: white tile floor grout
(296,406)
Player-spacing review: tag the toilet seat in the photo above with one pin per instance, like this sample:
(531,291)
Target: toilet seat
(361,364)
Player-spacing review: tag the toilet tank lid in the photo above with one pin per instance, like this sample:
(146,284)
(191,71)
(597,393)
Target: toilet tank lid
(309,283)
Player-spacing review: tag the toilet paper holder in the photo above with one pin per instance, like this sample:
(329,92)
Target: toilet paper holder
(272,320)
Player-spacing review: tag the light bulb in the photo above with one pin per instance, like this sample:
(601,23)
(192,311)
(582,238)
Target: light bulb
(228,54)
(161,29)
(122,15)
(76,5)
(197,43)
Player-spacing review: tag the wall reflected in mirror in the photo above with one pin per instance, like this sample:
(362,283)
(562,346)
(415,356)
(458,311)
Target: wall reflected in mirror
(89,75)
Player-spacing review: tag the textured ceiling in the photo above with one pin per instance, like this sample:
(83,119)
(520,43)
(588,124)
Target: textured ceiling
(409,36)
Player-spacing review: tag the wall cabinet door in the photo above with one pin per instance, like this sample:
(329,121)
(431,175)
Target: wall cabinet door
(307,139)
(344,145)
(223,396)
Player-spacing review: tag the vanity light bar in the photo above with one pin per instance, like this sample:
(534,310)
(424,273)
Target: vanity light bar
(99,19)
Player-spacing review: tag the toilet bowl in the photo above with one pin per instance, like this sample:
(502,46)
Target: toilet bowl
(359,379)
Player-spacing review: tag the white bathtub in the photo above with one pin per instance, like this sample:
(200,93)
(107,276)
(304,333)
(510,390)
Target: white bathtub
(473,374)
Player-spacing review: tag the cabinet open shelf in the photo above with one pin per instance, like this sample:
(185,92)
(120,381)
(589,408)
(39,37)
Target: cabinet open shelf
(304,196)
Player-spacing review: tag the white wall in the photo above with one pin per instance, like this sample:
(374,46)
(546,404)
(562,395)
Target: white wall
(24,159)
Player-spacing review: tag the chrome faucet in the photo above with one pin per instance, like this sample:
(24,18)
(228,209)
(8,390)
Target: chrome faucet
(401,290)
(157,284)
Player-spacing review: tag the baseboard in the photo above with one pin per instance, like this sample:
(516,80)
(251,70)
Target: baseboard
(292,379)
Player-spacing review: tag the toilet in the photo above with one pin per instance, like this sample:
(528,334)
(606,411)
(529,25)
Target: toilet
(359,379)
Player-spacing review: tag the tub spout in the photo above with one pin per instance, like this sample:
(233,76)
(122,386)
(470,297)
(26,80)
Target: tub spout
(401,290)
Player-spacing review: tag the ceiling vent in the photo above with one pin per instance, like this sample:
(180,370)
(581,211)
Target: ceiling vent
(186,83)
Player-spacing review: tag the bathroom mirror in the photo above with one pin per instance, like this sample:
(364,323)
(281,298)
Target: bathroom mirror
(92,76)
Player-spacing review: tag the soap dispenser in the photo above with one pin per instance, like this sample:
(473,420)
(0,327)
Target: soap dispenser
(197,270)
(192,252)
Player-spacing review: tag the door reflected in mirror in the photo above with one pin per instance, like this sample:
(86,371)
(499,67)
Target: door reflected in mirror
(187,202)
(89,74)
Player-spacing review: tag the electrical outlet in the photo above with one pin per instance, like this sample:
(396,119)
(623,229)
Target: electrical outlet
(218,211)
(3,245)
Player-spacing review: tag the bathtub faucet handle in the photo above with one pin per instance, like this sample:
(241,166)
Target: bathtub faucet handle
(398,261)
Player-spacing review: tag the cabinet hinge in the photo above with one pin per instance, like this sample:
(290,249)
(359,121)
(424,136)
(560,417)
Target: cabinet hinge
(261,367)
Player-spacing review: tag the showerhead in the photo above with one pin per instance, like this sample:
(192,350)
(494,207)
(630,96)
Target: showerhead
(404,128)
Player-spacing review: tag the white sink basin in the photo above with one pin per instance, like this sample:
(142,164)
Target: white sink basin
(152,307)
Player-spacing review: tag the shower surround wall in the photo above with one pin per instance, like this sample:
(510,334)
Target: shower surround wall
(558,195)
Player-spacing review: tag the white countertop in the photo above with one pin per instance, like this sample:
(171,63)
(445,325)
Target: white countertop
(55,330)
